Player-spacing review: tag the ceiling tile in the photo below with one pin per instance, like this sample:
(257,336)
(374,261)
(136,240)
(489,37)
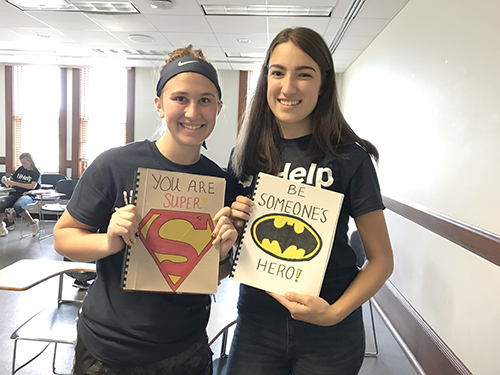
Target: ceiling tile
(237,24)
(367,26)
(261,50)
(346,54)
(213,53)
(42,35)
(12,17)
(159,42)
(333,26)
(123,22)
(66,20)
(178,24)
(196,39)
(230,40)
(7,34)
(233,2)
(77,34)
(382,8)
(91,37)
(180,7)
(355,42)
(318,24)
(329,3)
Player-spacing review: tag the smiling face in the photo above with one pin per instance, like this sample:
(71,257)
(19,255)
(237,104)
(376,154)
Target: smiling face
(294,82)
(189,104)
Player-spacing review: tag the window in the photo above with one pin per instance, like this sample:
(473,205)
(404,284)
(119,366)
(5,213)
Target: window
(103,110)
(36,98)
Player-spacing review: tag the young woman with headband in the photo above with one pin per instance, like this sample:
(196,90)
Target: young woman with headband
(294,128)
(139,332)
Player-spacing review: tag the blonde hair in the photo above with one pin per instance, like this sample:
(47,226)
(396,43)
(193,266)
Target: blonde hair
(28,157)
(184,52)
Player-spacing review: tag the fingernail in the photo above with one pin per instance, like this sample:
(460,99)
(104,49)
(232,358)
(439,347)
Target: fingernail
(216,218)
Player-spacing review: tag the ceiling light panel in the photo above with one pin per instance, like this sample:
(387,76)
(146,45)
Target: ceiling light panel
(267,10)
(86,6)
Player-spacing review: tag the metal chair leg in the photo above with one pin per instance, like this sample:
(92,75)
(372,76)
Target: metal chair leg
(375,352)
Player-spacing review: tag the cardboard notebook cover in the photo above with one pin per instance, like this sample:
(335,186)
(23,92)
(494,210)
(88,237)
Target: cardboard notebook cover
(173,251)
(286,243)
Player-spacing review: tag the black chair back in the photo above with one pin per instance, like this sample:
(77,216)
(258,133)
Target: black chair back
(358,248)
(66,187)
(52,178)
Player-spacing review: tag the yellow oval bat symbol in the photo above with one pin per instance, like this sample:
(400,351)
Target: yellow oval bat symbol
(286,237)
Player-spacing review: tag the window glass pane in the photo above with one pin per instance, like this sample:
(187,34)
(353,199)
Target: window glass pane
(38,101)
(106,110)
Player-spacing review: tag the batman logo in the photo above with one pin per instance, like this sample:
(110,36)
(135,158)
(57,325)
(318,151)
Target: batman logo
(286,237)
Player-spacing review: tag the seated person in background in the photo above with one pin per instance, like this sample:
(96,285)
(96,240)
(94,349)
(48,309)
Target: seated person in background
(25,178)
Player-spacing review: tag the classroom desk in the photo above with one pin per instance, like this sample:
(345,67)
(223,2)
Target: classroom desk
(45,193)
(4,191)
(55,324)
(26,273)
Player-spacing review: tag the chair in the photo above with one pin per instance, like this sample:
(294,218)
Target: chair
(6,174)
(36,207)
(55,324)
(222,318)
(49,180)
(65,187)
(358,248)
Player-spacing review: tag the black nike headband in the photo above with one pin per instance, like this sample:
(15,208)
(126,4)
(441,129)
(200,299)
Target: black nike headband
(188,64)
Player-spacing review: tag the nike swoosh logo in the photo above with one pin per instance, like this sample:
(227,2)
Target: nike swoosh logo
(181,63)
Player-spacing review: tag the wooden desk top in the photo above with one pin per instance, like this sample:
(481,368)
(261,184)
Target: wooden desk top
(27,273)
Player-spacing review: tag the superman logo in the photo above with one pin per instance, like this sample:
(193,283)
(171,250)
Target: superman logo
(177,241)
(286,237)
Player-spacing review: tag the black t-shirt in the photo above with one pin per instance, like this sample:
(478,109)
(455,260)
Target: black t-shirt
(134,328)
(24,176)
(356,178)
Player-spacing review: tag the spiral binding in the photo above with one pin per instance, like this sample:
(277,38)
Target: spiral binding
(244,231)
(127,248)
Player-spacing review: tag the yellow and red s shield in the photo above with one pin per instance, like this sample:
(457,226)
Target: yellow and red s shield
(177,241)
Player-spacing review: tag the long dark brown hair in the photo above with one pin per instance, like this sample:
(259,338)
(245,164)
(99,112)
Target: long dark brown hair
(259,145)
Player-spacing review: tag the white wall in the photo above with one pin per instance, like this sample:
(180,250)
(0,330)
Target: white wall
(427,93)
(149,126)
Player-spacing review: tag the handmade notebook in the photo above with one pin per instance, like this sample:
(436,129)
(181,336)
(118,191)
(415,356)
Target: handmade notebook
(173,251)
(286,243)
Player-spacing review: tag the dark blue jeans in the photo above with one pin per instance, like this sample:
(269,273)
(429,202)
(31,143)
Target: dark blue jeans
(267,345)
(18,203)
